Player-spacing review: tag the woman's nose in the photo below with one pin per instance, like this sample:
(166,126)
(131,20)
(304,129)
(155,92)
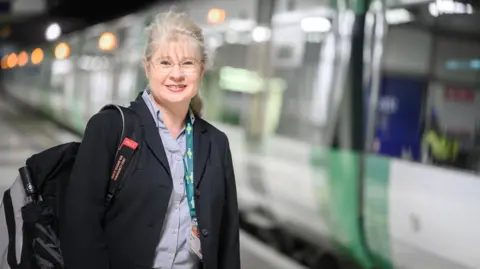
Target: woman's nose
(177,73)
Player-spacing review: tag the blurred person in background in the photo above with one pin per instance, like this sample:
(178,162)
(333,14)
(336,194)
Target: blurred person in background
(178,209)
(438,147)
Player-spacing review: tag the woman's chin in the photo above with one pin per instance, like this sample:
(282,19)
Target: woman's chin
(174,96)
(177,97)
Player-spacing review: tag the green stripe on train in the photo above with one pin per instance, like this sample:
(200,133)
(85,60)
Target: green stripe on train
(338,200)
(338,195)
(377,170)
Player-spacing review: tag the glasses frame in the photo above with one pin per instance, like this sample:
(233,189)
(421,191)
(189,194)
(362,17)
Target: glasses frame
(158,66)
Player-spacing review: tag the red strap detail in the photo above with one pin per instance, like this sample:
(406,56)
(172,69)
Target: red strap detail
(129,143)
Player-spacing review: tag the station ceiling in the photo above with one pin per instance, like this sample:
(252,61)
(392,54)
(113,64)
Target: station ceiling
(29,27)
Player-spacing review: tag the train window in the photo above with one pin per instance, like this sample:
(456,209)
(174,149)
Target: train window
(305,62)
(428,106)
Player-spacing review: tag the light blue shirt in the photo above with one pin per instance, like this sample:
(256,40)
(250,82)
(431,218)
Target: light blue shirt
(172,251)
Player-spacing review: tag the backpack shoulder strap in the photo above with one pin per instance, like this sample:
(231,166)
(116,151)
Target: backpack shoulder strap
(129,145)
(121,110)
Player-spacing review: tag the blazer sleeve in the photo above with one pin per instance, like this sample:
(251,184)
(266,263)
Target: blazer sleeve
(82,237)
(229,251)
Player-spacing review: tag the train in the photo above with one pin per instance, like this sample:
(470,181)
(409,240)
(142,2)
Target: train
(325,104)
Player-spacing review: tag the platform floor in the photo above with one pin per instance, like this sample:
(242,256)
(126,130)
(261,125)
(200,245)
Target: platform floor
(23,134)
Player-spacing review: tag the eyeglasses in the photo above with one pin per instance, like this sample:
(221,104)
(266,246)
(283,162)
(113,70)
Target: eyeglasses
(166,66)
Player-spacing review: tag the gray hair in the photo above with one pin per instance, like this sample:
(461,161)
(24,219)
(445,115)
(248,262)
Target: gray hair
(171,26)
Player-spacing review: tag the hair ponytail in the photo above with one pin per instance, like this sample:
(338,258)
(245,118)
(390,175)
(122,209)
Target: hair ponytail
(196,104)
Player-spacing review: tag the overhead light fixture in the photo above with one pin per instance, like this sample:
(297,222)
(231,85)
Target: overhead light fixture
(216,15)
(53,32)
(22,58)
(4,62)
(37,56)
(62,51)
(440,7)
(12,60)
(316,24)
(261,34)
(398,16)
(107,41)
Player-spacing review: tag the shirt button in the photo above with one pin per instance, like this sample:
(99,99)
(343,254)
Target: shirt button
(170,256)
(174,231)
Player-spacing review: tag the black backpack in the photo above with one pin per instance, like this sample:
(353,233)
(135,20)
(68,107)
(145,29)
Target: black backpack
(43,181)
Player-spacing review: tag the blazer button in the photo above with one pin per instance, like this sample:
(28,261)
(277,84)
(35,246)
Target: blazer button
(197,192)
(205,232)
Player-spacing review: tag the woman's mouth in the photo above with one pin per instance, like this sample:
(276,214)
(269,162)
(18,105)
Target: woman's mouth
(176,88)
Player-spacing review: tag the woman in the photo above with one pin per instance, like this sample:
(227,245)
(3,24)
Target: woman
(150,222)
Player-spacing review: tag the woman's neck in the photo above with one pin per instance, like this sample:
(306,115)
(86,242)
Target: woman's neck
(174,116)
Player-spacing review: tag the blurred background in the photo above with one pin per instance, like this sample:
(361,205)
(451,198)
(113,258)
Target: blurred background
(354,124)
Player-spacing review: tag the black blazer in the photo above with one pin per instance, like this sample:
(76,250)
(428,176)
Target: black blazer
(126,236)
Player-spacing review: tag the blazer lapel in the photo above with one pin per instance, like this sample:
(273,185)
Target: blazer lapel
(151,135)
(201,149)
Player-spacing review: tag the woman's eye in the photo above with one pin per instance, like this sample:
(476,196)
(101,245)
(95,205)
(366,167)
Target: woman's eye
(164,63)
(188,63)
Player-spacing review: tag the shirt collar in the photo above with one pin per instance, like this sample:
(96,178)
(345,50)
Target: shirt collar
(157,115)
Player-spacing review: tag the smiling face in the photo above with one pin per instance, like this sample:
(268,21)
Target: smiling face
(175,71)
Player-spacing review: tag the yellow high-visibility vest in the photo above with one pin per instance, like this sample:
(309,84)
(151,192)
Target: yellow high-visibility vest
(441,147)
